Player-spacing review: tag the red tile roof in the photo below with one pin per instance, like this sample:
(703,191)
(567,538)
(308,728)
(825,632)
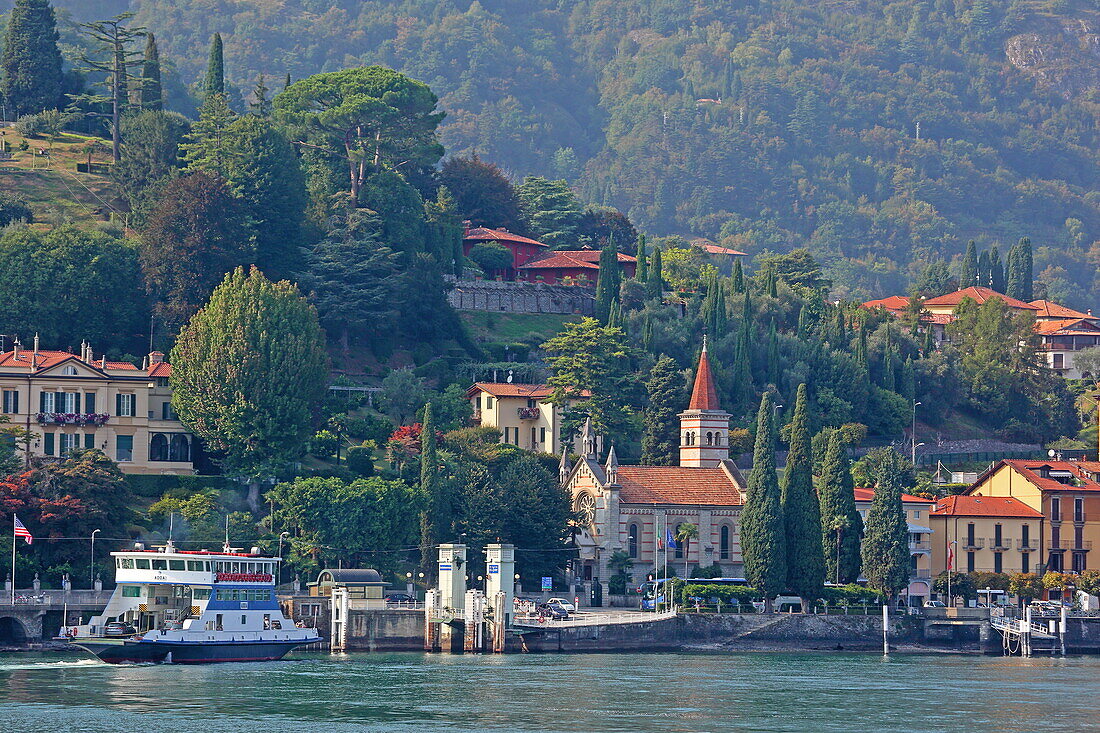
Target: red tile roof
(892,303)
(983,506)
(1032,471)
(1050,309)
(1067,327)
(482,234)
(703,395)
(978,295)
(677,485)
(160,369)
(530,391)
(866,494)
(568,258)
(44,359)
(714,249)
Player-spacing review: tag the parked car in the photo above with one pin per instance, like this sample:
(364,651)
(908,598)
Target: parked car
(172,625)
(564,603)
(553,611)
(117,628)
(394,599)
(935,604)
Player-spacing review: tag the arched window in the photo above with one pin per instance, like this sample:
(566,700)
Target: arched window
(710,438)
(718,439)
(179,449)
(632,540)
(724,543)
(692,437)
(158,447)
(679,546)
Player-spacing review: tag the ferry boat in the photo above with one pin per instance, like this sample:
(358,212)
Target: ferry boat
(191,607)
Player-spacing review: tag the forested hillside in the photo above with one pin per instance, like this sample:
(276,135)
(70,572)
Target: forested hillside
(880,135)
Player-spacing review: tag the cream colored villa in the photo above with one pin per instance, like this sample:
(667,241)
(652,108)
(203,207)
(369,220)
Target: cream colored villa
(67,401)
(521,412)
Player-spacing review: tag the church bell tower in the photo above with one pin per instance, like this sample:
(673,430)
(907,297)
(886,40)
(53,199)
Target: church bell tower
(704,426)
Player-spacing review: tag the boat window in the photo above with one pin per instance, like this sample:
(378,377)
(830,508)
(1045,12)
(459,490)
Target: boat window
(141,563)
(126,563)
(194,565)
(131,591)
(159,564)
(200,594)
(176,565)
(234,567)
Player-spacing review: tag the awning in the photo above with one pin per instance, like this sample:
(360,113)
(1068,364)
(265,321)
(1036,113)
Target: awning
(918,529)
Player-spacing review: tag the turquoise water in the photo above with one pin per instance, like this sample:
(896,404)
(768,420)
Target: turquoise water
(605,692)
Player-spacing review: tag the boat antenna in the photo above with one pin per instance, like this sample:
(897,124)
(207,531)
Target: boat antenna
(171,524)
(226,546)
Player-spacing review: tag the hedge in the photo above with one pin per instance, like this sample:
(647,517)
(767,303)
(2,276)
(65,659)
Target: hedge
(156,486)
(851,595)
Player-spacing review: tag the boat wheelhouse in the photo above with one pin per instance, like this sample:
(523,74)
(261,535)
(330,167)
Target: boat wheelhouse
(192,606)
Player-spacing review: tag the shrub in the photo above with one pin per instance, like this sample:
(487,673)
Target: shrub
(13,208)
(323,444)
(369,427)
(360,460)
(48,122)
(729,595)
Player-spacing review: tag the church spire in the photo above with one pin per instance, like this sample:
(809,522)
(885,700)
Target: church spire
(612,468)
(588,440)
(563,467)
(704,396)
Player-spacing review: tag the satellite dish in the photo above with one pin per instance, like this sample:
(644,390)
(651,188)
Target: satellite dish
(509,376)
(1052,453)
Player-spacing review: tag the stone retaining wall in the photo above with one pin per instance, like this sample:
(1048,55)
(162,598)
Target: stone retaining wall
(520,297)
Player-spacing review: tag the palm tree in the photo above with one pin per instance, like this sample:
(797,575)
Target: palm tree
(620,564)
(685,533)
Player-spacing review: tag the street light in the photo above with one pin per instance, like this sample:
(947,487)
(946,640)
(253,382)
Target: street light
(913,434)
(282,536)
(91,572)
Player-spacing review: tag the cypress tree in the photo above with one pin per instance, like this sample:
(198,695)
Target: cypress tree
(968,272)
(773,356)
(804,322)
(773,284)
(907,383)
(841,525)
(660,426)
(888,380)
(996,270)
(641,273)
(286,82)
(1019,280)
(152,93)
(742,370)
(763,532)
(801,510)
(886,535)
(738,277)
(215,68)
(861,347)
(655,284)
(610,278)
(984,269)
(30,65)
(929,342)
(647,332)
(841,328)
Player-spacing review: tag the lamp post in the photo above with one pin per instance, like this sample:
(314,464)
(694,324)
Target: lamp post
(282,536)
(913,434)
(950,562)
(91,557)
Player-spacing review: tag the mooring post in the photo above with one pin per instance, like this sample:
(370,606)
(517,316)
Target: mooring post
(1062,630)
(886,628)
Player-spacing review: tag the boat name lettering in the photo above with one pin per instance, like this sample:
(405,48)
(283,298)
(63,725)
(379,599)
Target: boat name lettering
(244,577)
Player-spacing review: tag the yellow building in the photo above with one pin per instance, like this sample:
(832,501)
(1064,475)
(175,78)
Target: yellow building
(990,534)
(1066,493)
(67,401)
(917,512)
(520,412)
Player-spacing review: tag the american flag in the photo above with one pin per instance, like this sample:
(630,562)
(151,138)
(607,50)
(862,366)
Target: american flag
(21,531)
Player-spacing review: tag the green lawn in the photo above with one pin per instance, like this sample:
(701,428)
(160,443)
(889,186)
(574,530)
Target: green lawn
(530,328)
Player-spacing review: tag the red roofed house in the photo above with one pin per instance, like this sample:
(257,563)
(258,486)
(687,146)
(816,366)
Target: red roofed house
(920,541)
(521,412)
(68,401)
(576,265)
(1065,495)
(522,248)
(633,509)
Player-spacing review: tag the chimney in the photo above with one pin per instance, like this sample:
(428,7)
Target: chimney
(34,356)
(466,227)
(15,350)
(144,363)
(156,357)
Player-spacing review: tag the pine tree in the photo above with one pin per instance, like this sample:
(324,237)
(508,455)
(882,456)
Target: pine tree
(1019,280)
(738,277)
(261,105)
(641,274)
(801,510)
(610,278)
(152,94)
(655,284)
(30,65)
(886,534)
(660,425)
(996,270)
(841,525)
(208,147)
(215,69)
(984,272)
(109,56)
(773,356)
(436,521)
(763,532)
(968,273)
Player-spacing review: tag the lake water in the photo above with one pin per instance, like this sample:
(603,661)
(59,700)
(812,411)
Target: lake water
(604,692)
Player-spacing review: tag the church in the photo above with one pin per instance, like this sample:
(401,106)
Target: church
(635,508)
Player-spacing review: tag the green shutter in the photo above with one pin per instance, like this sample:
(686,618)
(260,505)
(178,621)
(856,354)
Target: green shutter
(118,405)
(42,402)
(89,440)
(89,403)
(47,443)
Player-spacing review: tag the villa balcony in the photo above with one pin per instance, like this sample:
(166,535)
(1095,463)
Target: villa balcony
(974,543)
(72,418)
(1080,546)
(1028,545)
(920,546)
(529,413)
(1000,545)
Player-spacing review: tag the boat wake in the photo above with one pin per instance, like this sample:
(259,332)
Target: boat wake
(60,664)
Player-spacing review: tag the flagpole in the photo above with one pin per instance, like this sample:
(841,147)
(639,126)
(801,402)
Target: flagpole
(13,558)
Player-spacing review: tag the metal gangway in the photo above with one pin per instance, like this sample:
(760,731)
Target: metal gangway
(1019,635)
